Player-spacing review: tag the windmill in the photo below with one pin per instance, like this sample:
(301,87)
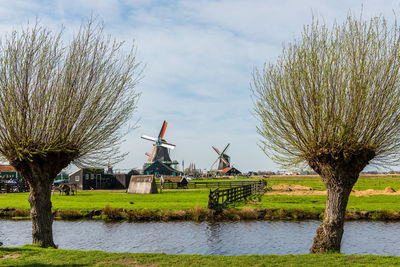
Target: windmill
(161,147)
(224,159)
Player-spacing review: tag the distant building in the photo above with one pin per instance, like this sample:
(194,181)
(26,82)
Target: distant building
(133,172)
(159,168)
(9,172)
(92,178)
(178,181)
(230,171)
(97,178)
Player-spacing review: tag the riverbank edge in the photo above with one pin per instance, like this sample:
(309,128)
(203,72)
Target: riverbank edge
(30,255)
(200,214)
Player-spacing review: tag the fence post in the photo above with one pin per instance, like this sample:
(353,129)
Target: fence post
(211,204)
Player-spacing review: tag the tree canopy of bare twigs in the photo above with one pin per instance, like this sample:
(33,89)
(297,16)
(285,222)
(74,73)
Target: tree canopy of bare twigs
(332,101)
(57,97)
(62,103)
(335,89)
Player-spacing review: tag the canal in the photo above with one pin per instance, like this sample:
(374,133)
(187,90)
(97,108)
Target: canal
(207,238)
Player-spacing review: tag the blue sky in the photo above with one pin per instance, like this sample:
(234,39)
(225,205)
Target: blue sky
(198,57)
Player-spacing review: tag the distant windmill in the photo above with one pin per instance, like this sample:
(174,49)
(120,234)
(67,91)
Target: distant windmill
(224,159)
(160,147)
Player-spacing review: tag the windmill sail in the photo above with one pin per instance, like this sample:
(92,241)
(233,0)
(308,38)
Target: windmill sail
(160,148)
(149,138)
(224,159)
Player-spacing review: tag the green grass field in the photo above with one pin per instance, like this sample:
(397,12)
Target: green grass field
(315,182)
(176,200)
(309,202)
(89,200)
(29,255)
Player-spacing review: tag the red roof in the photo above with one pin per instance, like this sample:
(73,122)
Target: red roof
(7,168)
(226,169)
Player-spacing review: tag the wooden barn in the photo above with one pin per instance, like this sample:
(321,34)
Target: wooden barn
(230,171)
(159,168)
(92,178)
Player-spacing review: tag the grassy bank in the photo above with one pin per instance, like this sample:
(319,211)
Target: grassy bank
(29,255)
(188,199)
(201,214)
(268,207)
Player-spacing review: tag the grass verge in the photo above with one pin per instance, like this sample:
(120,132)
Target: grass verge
(29,255)
(201,214)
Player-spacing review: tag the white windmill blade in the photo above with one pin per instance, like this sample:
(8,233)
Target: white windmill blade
(167,145)
(149,138)
(224,160)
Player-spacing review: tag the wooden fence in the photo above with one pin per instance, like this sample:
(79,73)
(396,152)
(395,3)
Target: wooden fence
(220,197)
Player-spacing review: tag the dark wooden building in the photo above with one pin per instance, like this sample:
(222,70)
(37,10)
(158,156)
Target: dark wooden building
(230,171)
(159,168)
(121,180)
(92,178)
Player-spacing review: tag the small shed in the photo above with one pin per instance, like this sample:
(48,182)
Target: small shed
(181,182)
(142,184)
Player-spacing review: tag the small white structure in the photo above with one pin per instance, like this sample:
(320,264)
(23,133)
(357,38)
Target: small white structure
(142,184)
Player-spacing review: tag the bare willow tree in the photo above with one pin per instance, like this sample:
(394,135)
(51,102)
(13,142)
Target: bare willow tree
(332,101)
(61,104)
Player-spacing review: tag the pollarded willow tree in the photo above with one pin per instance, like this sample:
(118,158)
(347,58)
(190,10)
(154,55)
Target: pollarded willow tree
(62,104)
(332,101)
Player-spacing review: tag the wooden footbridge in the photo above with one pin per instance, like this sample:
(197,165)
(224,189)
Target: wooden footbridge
(218,198)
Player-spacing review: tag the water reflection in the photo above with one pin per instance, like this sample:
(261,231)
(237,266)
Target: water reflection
(215,238)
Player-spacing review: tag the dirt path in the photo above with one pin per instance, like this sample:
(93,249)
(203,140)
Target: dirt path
(299,190)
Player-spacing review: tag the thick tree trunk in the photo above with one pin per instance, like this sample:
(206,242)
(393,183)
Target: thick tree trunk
(41,214)
(329,235)
(339,169)
(39,170)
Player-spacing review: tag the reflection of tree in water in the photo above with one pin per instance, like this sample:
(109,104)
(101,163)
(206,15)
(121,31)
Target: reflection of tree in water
(214,237)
